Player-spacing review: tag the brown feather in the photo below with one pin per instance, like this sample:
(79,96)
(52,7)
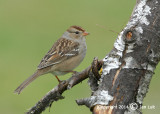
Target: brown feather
(27,82)
(78,28)
(57,54)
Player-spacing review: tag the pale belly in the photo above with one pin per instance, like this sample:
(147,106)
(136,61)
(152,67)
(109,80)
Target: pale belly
(68,65)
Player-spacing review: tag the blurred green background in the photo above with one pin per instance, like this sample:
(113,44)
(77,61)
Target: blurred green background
(28,28)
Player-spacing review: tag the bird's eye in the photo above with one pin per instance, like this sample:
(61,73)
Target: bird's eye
(77,32)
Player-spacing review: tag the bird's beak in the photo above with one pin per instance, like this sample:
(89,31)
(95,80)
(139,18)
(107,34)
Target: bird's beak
(85,34)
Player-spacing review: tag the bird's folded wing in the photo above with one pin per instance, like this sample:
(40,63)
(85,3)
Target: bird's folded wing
(63,49)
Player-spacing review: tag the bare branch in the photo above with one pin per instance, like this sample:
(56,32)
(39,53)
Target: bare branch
(56,93)
(129,67)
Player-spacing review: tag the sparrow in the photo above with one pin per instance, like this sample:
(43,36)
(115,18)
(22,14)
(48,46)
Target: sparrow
(65,55)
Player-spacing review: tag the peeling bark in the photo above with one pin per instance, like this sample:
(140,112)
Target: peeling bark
(129,67)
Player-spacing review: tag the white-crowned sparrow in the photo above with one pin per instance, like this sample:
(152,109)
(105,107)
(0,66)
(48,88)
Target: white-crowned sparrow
(65,55)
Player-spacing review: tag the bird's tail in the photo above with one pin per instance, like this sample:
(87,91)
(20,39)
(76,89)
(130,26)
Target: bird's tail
(27,82)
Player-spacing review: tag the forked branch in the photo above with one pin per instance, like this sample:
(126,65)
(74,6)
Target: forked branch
(56,93)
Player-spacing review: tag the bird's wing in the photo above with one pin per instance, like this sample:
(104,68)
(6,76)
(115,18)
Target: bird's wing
(60,51)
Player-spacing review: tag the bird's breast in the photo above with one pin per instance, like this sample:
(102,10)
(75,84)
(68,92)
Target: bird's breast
(71,63)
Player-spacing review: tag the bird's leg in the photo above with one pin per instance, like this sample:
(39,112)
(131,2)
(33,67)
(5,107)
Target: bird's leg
(58,79)
(74,72)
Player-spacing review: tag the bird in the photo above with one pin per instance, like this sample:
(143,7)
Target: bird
(65,55)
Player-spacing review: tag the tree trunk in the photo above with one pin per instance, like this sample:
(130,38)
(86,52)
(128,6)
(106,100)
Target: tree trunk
(128,68)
